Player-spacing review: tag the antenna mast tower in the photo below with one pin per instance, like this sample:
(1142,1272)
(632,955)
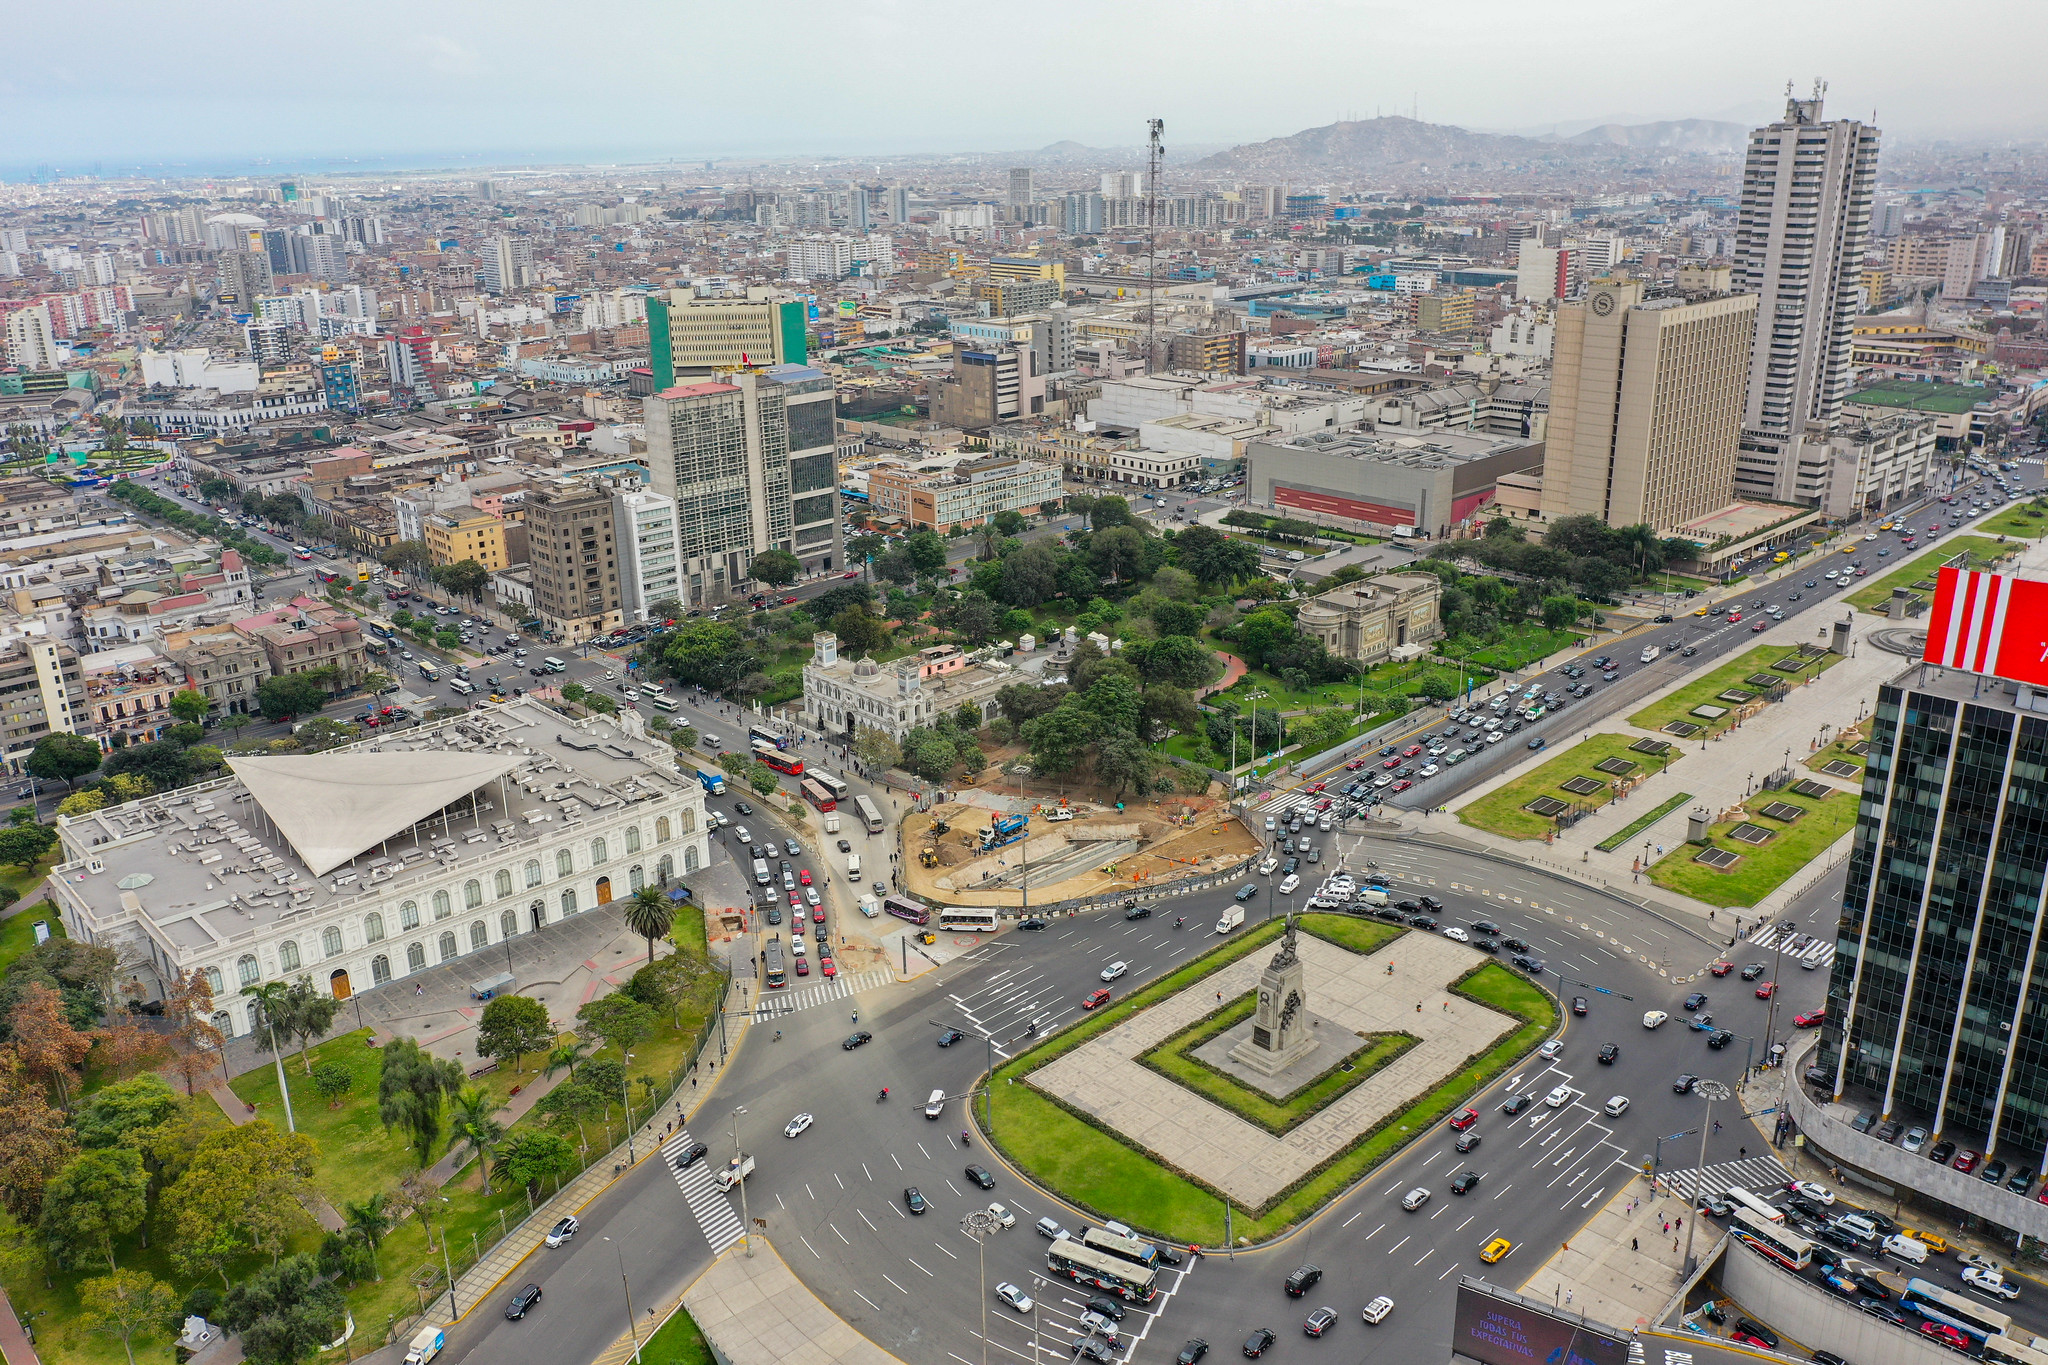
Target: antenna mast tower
(1155,156)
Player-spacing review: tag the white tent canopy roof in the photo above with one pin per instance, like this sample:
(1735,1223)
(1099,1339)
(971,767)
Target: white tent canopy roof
(330,807)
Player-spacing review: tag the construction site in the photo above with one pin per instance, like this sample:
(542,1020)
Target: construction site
(985,848)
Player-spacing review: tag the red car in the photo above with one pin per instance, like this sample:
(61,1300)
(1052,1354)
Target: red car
(1403,785)
(851,573)
(795,899)
(1747,1340)
(1946,1335)
(1764,989)
(1324,804)
(1391,764)
(1761,625)
(827,966)
(1966,1161)
(804,875)
(1464,1119)
(803,966)
(1354,765)
(1315,787)
(789,601)
(1810,1019)
(1095,998)
(1722,968)
(1411,751)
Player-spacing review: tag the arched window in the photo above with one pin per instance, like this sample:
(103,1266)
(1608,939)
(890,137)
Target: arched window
(569,901)
(447,945)
(689,818)
(373,926)
(637,878)
(661,834)
(508,924)
(380,970)
(247,970)
(330,941)
(565,863)
(472,894)
(504,881)
(597,851)
(287,956)
(441,909)
(409,916)
(632,838)
(415,956)
(689,858)
(213,980)
(533,872)
(479,935)
(665,869)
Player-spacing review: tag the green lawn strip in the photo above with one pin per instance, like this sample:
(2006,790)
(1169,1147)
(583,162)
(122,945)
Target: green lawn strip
(1641,823)
(1518,647)
(1764,867)
(2014,521)
(19,883)
(1500,810)
(1174,1060)
(1706,691)
(1838,752)
(1876,593)
(1102,1173)
(676,1342)
(17,931)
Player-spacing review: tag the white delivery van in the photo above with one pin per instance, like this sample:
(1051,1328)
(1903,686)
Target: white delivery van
(832,822)
(870,907)
(760,872)
(1906,1249)
(1650,654)
(1371,895)
(1232,917)
(853,866)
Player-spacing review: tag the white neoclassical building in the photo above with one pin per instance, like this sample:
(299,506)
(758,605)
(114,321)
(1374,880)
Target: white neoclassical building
(361,866)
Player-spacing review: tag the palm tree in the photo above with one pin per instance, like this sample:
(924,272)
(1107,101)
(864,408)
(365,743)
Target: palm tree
(476,1130)
(369,1220)
(650,914)
(566,1055)
(274,998)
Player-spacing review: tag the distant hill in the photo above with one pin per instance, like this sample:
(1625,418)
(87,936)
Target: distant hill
(1673,135)
(1382,145)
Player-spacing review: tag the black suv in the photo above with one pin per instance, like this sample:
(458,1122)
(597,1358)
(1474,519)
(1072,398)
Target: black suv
(1138,912)
(1302,1280)
(523,1300)
(980,1176)
(1608,1052)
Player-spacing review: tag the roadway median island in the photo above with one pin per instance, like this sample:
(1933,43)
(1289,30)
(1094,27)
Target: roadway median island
(1717,700)
(1754,848)
(1104,1154)
(1876,593)
(1527,807)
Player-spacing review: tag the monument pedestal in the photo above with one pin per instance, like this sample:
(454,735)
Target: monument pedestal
(1280,1039)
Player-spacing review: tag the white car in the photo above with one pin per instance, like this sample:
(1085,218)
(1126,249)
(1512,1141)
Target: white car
(1551,1050)
(1377,1310)
(1289,882)
(1617,1106)
(1428,770)
(1382,780)
(1115,970)
(811,894)
(740,833)
(1013,1296)
(1871,536)
(1654,1018)
(1559,1098)
(1819,1194)
(1272,823)
(1456,935)
(797,1125)
(1002,1215)
(562,1231)
(1991,1282)
(1054,817)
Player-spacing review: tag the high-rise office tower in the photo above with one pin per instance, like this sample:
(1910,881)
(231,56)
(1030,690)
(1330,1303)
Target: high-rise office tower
(899,203)
(1645,405)
(1023,190)
(1119,184)
(1934,1011)
(859,217)
(749,460)
(506,264)
(692,336)
(572,545)
(1801,230)
(244,278)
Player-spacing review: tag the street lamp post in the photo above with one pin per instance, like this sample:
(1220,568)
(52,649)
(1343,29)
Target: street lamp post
(1712,1092)
(632,1328)
(981,1225)
(740,1164)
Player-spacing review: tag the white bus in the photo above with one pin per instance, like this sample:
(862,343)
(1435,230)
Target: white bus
(2005,1350)
(870,817)
(1762,1208)
(1782,1245)
(968,919)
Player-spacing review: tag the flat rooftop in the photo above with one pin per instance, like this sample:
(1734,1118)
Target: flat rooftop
(209,864)
(1436,450)
(1909,396)
(1736,520)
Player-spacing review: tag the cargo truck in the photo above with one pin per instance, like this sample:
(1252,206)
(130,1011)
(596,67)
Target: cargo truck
(426,1344)
(713,784)
(735,1171)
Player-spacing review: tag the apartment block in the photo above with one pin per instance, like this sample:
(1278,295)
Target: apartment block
(485,537)
(968,494)
(647,551)
(572,546)
(42,692)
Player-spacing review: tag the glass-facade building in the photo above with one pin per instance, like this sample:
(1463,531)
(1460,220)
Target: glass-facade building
(1936,1006)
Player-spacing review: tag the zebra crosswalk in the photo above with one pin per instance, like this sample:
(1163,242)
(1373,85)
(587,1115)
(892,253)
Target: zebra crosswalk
(776,1003)
(1801,947)
(1760,1175)
(699,1184)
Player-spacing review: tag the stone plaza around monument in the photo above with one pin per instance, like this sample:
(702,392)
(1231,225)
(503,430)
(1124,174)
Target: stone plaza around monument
(1103,1078)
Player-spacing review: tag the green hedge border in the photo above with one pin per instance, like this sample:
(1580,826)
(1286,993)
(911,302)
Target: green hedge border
(1251,1105)
(1330,1178)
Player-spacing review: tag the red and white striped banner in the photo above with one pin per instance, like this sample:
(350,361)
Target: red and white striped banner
(1990,623)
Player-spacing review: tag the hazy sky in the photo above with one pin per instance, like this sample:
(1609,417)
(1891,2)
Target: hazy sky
(123,81)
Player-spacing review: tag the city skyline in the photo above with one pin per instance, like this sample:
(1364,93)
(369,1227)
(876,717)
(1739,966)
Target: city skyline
(444,91)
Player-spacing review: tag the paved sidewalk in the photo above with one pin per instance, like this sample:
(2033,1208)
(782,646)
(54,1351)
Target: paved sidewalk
(14,1343)
(1622,1268)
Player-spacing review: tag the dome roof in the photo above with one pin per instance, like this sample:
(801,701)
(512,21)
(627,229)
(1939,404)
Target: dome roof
(865,669)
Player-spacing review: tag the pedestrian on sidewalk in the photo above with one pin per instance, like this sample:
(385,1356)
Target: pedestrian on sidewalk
(1635,1244)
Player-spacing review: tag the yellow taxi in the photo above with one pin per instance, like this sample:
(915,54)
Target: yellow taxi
(1887,526)
(1701,612)
(1494,1250)
(497,696)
